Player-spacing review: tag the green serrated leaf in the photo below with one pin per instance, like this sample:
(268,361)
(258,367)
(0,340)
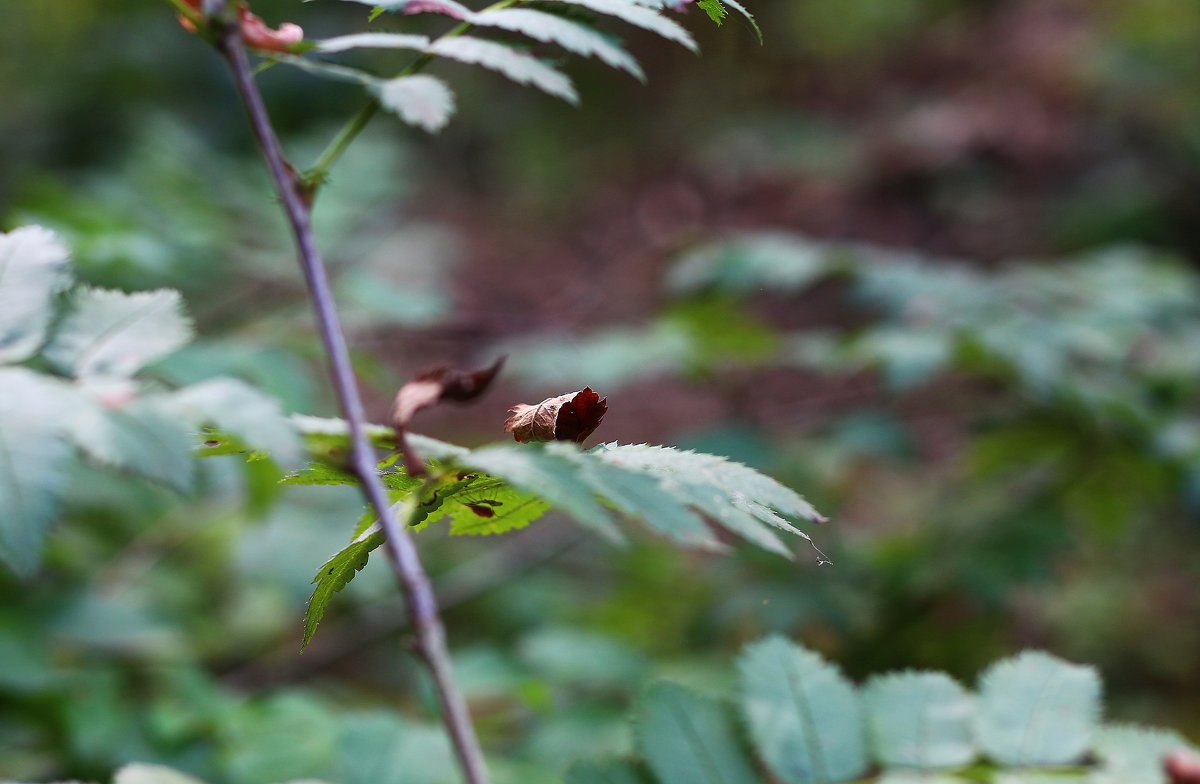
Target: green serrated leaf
(642,496)
(549,475)
(716,12)
(741,499)
(335,574)
(34,267)
(112,334)
(804,716)
(488,506)
(919,720)
(687,738)
(1035,709)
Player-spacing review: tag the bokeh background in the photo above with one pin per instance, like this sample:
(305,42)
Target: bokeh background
(972,338)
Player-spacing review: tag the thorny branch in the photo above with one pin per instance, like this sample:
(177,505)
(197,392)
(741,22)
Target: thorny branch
(422,606)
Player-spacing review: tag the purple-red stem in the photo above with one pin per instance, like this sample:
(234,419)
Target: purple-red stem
(402,552)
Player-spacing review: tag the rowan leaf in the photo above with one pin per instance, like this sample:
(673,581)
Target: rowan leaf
(423,101)
(511,63)
(571,36)
(639,16)
(343,43)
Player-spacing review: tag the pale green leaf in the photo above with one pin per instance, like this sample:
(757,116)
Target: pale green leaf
(1134,755)
(113,334)
(517,66)
(33,456)
(573,657)
(238,409)
(687,738)
(570,35)
(642,495)
(420,100)
(610,771)
(288,735)
(916,777)
(804,716)
(343,43)
(34,267)
(919,720)
(381,748)
(446,7)
(1035,709)
(140,438)
(741,499)
(141,773)
(763,261)
(639,16)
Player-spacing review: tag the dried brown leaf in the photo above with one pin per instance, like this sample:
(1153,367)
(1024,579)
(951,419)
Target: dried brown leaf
(432,387)
(570,417)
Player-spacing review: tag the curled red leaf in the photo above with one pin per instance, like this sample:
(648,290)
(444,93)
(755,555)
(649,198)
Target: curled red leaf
(570,417)
(255,32)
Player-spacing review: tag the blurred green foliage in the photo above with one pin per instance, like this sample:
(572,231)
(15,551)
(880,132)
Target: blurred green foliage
(983,500)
